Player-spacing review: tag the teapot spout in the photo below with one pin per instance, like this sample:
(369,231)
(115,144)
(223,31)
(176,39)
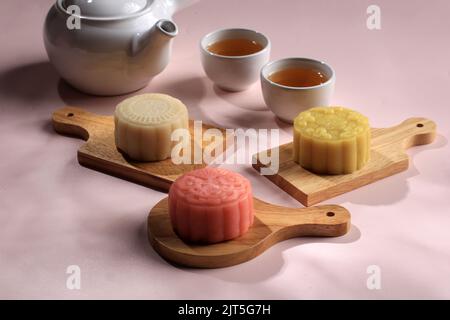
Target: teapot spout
(167,29)
(152,50)
(159,36)
(157,39)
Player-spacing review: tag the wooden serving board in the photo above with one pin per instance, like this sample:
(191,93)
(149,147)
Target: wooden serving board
(272,224)
(388,157)
(100,152)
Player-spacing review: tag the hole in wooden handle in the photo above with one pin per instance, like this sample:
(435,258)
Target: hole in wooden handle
(70,115)
(330,214)
(419,125)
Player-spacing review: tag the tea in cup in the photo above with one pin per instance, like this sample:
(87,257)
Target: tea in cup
(293,85)
(233,58)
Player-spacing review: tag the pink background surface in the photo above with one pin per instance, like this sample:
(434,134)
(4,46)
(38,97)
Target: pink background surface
(55,213)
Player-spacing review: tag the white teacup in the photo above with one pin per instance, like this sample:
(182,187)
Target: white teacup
(234,73)
(287,102)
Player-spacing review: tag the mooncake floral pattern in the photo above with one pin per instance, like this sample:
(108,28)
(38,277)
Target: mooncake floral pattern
(330,123)
(151,109)
(212,187)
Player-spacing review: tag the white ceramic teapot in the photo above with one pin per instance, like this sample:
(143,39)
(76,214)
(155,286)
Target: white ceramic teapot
(110,47)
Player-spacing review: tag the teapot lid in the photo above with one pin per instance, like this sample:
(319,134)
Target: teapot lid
(107,9)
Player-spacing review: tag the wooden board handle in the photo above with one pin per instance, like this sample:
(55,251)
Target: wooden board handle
(272,224)
(319,221)
(411,132)
(77,122)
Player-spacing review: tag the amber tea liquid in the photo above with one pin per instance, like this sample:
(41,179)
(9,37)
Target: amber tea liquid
(235,47)
(298,77)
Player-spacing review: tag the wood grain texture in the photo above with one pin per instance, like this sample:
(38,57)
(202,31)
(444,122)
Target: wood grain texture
(388,157)
(100,152)
(272,224)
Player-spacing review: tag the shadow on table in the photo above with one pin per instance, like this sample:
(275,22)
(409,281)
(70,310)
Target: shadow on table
(256,120)
(37,84)
(268,264)
(32,85)
(253,113)
(99,104)
(391,189)
(386,191)
(188,90)
(143,245)
(243,99)
(271,262)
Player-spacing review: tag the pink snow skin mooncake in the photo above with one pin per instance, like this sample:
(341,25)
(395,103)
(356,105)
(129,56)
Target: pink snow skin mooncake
(211,205)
